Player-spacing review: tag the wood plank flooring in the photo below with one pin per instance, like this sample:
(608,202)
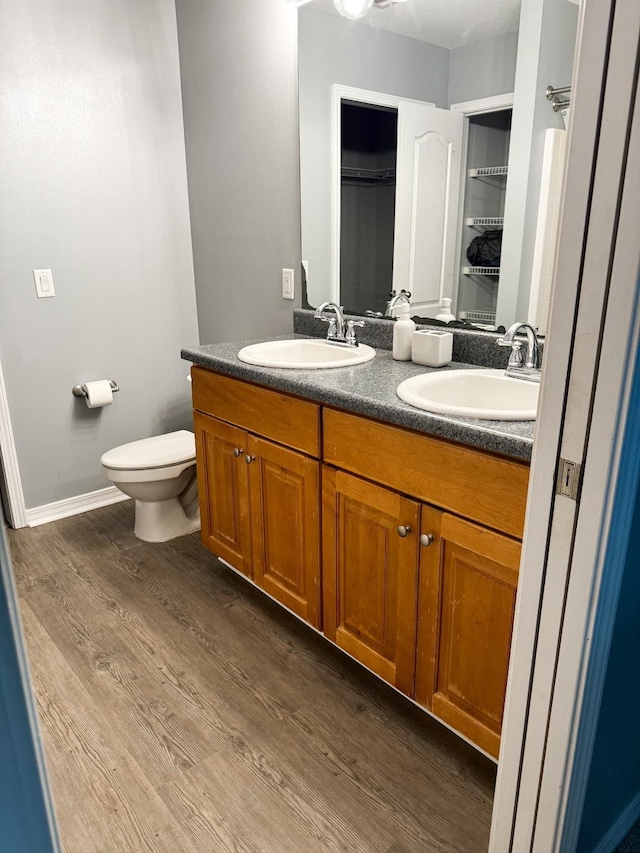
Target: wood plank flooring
(183,711)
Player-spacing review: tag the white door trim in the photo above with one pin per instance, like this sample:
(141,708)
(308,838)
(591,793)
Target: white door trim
(339,92)
(15,496)
(485,105)
(592,333)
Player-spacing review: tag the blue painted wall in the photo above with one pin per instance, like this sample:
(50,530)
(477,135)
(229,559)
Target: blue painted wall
(614,775)
(25,804)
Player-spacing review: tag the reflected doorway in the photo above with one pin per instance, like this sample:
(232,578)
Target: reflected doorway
(368,157)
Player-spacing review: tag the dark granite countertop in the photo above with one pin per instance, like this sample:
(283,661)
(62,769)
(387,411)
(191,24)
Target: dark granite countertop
(370,389)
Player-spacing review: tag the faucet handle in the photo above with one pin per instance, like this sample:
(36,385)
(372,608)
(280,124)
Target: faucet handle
(351,331)
(516,359)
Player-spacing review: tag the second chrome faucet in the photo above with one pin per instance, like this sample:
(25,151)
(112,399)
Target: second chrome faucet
(522,365)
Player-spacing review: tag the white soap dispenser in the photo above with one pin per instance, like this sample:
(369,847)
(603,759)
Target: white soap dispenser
(403,330)
(445,315)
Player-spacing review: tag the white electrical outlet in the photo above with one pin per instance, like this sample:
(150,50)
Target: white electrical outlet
(287,284)
(44,283)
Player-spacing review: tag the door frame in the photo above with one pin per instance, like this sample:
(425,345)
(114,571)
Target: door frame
(340,92)
(566,606)
(16,507)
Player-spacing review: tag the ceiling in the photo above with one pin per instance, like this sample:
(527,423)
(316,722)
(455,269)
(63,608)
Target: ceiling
(448,23)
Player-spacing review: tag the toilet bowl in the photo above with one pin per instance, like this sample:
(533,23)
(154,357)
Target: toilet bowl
(160,474)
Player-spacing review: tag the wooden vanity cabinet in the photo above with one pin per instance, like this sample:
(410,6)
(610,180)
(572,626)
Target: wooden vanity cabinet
(466,603)
(457,576)
(284,491)
(420,539)
(370,575)
(225,514)
(260,501)
(423,598)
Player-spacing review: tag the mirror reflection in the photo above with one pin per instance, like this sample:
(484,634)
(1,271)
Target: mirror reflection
(431,159)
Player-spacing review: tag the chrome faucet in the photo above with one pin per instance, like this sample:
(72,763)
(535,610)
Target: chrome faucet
(397,299)
(339,332)
(522,365)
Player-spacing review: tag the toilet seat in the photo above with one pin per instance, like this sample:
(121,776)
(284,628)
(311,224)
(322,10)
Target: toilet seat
(173,450)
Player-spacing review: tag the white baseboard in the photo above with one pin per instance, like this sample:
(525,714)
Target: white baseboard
(616,833)
(74,506)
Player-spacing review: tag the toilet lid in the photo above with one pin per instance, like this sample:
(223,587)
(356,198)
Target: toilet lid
(156,452)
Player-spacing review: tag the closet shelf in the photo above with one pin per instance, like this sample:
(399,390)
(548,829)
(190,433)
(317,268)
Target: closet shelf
(483,318)
(481,270)
(488,172)
(373,177)
(485,221)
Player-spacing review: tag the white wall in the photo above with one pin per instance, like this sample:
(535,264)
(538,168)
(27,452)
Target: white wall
(239,83)
(92,170)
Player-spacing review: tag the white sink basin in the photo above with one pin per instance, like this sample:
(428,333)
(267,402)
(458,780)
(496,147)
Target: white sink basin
(305,354)
(486,394)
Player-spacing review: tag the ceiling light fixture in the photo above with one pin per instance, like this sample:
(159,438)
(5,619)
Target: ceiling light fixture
(386,4)
(353,8)
(359,8)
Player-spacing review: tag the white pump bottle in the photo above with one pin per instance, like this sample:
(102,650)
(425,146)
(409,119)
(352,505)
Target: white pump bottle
(403,330)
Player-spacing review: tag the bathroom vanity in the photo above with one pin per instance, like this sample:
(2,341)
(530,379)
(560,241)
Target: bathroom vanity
(394,533)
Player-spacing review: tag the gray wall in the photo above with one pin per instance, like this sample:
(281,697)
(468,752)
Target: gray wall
(239,85)
(483,68)
(335,50)
(92,169)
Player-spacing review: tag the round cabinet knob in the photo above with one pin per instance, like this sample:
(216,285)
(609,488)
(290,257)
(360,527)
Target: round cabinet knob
(249,459)
(403,530)
(426,539)
(237,451)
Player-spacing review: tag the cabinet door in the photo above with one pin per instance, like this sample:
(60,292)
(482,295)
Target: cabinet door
(468,580)
(285,511)
(370,575)
(223,485)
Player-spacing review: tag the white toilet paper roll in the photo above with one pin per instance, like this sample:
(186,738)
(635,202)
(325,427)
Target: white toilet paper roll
(99,394)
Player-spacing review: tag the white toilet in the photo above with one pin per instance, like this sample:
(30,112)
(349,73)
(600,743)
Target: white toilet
(160,473)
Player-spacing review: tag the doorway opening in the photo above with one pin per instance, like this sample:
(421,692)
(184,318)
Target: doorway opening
(485,183)
(369,150)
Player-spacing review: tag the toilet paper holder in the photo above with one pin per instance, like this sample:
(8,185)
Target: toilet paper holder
(81,390)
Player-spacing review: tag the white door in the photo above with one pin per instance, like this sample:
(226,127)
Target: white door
(427,197)
(573,554)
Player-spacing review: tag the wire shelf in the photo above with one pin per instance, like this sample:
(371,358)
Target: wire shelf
(481,270)
(485,221)
(488,172)
(486,317)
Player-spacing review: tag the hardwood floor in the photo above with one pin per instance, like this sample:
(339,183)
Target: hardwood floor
(182,710)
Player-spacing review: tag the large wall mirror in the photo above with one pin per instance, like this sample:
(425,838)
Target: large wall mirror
(431,157)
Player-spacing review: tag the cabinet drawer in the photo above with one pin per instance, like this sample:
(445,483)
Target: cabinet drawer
(286,420)
(467,482)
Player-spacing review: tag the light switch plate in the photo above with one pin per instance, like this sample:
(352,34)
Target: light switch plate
(44,283)
(287,284)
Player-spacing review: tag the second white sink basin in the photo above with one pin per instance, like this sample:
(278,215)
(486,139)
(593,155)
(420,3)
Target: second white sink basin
(305,354)
(486,394)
